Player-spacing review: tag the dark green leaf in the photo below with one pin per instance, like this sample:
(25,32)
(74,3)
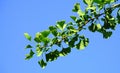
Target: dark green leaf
(73,40)
(27,36)
(52,55)
(106,35)
(118,16)
(92,27)
(28,46)
(42,63)
(76,7)
(53,30)
(73,17)
(30,55)
(65,51)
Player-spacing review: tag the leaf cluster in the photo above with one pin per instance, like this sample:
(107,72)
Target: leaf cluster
(97,17)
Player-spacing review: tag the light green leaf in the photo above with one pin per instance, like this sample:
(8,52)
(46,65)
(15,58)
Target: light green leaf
(82,43)
(81,13)
(82,46)
(27,36)
(98,26)
(39,51)
(91,8)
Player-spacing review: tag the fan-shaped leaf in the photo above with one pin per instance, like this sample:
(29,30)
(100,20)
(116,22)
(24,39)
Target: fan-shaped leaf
(27,36)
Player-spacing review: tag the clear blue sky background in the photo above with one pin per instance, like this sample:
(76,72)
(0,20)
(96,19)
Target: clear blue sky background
(19,16)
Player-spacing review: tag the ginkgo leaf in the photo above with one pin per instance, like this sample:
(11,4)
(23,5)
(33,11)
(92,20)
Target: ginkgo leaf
(27,36)
(88,2)
(98,26)
(73,17)
(42,63)
(30,55)
(28,46)
(39,51)
(61,25)
(76,7)
(45,33)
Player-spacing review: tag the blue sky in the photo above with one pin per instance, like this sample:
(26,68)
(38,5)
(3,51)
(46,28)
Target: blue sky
(19,16)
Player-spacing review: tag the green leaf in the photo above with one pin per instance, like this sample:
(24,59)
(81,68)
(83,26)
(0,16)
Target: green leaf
(42,63)
(73,17)
(61,25)
(86,42)
(118,16)
(81,13)
(45,33)
(106,35)
(82,44)
(27,36)
(53,30)
(103,1)
(65,51)
(88,2)
(52,55)
(39,51)
(30,55)
(92,27)
(37,37)
(28,46)
(76,7)
(98,26)
(73,40)
(91,8)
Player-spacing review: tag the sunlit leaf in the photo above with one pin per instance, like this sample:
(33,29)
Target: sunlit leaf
(39,51)
(81,13)
(61,25)
(27,36)
(98,26)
